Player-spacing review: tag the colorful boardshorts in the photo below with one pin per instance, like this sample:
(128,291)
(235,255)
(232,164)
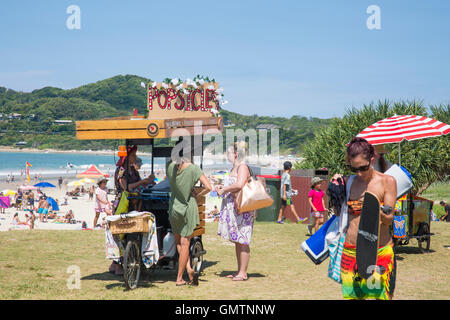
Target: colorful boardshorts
(380,285)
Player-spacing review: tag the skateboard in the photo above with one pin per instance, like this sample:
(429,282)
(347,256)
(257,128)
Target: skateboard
(368,236)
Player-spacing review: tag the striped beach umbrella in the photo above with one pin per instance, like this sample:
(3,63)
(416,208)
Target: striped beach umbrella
(407,127)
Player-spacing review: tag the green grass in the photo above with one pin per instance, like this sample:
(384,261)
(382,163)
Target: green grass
(439,191)
(33,265)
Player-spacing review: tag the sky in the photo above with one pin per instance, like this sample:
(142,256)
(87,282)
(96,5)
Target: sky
(273,58)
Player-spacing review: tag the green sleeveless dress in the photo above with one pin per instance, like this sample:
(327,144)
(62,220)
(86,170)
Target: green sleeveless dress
(183,209)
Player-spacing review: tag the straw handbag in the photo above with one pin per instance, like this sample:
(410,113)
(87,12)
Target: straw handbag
(252,196)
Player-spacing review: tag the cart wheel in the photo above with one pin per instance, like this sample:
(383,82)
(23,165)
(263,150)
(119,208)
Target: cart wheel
(131,265)
(196,254)
(425,230)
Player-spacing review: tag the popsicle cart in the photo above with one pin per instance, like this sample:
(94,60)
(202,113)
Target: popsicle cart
(412,220)
(172,112)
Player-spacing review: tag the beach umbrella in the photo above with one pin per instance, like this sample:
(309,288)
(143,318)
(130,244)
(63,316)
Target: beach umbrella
(28,187)
(75,183)
(53,203)
(87,180)
(407,127)
(92,172)
(8,192)
(45,185)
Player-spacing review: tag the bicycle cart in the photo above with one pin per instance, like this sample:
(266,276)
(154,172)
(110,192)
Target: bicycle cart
(164,120)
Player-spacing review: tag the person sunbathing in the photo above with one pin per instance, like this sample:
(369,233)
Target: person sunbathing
(69,217)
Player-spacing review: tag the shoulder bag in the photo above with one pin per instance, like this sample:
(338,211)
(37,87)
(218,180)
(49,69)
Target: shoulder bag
(252,196)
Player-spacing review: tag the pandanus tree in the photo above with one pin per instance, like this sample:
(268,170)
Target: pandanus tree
(427,160)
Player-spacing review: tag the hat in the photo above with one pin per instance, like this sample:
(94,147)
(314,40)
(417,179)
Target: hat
(315,180)
(100,180)
(130,150)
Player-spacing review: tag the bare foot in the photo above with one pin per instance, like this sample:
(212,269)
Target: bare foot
(231,276)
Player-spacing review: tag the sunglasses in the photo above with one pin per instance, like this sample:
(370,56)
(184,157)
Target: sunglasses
(361,169)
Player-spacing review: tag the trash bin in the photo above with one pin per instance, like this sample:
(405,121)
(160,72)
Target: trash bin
(273,183)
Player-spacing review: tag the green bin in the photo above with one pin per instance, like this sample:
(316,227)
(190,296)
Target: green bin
(273,183)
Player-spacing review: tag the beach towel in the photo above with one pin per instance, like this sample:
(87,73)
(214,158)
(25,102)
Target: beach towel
(317,246)
(5,202)
(112,248)
(150,250)
(336,238)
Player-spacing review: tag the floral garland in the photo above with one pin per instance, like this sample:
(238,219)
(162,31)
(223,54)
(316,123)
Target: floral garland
(188,87)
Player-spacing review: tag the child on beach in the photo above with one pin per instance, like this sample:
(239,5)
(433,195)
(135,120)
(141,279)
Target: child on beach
(101,200)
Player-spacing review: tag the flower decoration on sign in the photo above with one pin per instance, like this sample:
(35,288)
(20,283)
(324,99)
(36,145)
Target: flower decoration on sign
(200,94)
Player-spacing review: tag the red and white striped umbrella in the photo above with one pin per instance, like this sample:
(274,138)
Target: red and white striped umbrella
(408,127)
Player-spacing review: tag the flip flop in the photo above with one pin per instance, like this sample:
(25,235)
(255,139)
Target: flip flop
(230,276)
(239,278)
(181,284)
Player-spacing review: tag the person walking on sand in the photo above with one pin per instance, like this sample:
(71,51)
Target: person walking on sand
(31,200)
(91,192)
(317,203)
(183,208)
(101,200)
(286,194)
(233,226)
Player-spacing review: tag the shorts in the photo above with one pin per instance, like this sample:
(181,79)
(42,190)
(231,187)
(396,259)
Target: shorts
(40,210)
(380,285)
(317,214)
(286,202)
(45,211)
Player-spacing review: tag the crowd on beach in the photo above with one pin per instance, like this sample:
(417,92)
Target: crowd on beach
(37,205)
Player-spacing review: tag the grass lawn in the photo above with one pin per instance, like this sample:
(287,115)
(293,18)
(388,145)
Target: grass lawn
(439,191)
(34,263)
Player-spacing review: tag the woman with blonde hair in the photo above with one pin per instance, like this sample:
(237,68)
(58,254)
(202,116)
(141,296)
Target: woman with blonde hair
(233,226)
(183,210)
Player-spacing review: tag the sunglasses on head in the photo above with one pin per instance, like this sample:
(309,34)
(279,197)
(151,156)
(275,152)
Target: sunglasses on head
(361,169)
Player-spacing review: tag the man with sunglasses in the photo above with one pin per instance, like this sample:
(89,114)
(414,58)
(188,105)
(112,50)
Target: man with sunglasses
(361,157)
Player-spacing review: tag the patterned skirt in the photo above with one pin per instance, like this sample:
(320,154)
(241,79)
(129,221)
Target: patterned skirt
(233,226)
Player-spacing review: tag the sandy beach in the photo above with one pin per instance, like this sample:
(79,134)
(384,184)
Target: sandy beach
(82,206)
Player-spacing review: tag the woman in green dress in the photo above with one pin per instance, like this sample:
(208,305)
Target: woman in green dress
(183,210)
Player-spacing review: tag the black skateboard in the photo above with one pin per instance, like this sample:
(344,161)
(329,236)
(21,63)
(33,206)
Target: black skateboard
(368,236)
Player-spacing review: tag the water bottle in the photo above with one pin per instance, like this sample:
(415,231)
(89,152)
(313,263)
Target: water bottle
(169,247)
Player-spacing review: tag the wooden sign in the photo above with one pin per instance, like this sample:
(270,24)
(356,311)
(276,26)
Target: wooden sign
(165,101)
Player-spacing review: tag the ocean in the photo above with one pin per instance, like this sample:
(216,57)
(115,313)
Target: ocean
(54,164)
